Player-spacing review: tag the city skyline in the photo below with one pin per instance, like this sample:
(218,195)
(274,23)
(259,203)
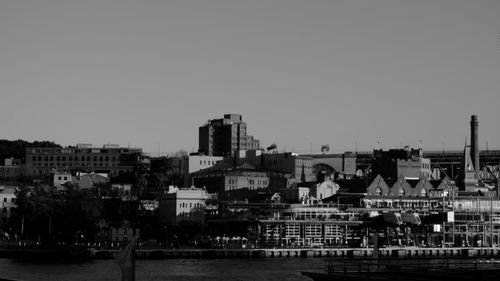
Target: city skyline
(345,73)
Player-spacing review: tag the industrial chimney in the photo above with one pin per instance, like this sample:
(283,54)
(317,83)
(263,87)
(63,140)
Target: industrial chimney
(474,143)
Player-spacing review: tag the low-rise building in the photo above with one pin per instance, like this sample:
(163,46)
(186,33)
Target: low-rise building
(183,204)
(7,202)
(223,180)
(295,194)
(11,168)
(395,163)
(109,158)
(195,163)
(325,189)
(300,167)
(60,179)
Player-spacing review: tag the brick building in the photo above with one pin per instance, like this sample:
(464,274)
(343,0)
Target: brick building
(225,137)
(110,159)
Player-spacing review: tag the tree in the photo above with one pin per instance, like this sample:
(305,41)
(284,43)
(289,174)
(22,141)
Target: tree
(47,215)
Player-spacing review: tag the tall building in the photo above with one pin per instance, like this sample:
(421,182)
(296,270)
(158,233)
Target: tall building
(225,137)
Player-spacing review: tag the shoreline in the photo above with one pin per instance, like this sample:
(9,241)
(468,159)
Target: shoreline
(183,253)
(392,252)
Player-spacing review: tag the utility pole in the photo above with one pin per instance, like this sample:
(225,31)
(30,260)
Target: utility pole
(491,220)
(453,210)
(444,224)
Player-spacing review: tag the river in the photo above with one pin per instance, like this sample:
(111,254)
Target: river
(274,269)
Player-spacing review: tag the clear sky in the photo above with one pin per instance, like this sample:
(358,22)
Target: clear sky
(302,73)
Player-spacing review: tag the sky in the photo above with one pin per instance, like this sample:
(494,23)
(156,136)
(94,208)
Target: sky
(351,74)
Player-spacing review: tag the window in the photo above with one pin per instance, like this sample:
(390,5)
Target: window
(378,191)
(58,178)
(423,193)
(401,192)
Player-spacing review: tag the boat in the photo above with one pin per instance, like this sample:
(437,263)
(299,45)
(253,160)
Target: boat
(409,269)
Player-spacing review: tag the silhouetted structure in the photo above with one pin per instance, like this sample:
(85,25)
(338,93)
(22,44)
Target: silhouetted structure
(225,137)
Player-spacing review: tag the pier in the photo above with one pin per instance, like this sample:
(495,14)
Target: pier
(303,253)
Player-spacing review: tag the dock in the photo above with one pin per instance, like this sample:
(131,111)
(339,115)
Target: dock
(303,253)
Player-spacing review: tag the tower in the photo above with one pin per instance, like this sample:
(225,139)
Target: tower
(474,149)
(469,175)
(225,137)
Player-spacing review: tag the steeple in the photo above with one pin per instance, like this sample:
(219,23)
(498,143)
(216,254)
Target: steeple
(469,174)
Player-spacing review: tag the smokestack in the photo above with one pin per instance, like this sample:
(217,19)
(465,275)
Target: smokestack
(474,144)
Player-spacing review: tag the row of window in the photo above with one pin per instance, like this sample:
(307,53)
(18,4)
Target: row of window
(109,164)
(73,158)
(191,214)
(205,162)
(191,205)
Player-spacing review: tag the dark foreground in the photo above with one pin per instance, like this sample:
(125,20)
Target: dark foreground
(409,269)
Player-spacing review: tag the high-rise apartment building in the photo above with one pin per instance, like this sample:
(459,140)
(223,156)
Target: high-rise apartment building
(225,137)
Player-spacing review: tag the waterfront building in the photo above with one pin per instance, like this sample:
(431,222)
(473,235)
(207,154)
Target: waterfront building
(111,159)
(295,194)
(226,137)
(325,189)
(183,204)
